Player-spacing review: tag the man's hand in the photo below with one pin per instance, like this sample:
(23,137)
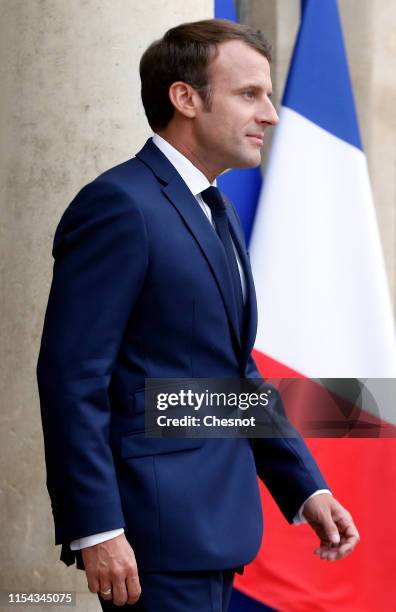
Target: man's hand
(333,525)
(111,566)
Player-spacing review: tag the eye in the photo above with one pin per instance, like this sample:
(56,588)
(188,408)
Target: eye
(249,94)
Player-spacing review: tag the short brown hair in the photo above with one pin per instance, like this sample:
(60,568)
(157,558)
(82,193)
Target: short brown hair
(184,54)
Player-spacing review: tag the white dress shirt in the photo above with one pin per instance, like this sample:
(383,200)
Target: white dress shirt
(196,182)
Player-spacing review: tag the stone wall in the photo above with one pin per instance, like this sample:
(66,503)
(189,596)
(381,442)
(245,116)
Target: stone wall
(70,108)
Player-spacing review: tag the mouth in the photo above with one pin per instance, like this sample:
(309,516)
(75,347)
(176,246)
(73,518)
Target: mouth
(257,138)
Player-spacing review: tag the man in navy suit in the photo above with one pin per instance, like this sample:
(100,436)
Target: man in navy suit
(152,280)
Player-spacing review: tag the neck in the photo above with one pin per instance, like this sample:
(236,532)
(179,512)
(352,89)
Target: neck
(190,152)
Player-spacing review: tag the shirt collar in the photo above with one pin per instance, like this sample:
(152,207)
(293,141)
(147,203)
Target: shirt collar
(195,180)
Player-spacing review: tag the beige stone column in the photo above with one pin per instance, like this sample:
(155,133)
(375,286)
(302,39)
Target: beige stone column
(69,109)
(370,32)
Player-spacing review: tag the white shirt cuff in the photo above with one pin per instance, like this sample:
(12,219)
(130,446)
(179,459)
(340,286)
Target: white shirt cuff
(97,538)
(299,518)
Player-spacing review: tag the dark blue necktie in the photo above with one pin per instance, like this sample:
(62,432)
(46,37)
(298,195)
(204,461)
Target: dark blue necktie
(217,205)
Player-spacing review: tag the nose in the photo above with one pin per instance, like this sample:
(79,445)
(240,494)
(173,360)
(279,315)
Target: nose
(267,114)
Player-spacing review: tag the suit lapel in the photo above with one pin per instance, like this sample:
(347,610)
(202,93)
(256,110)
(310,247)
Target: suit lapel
(251,303)
(177,192)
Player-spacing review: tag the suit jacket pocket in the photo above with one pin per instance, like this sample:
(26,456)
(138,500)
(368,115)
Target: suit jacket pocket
(138,401)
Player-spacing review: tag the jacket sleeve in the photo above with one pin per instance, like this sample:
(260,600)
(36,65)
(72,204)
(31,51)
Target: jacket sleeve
(101,257)
(285,464)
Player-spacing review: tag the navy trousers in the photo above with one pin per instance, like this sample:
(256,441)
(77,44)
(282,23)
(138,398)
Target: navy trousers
(181,592)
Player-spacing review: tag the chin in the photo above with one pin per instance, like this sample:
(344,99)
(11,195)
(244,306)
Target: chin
(252,158)
(249,162)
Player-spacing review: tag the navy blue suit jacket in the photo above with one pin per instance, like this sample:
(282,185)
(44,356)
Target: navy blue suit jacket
(140,290)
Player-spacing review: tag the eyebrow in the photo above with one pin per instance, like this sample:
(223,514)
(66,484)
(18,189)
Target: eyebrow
(253,86)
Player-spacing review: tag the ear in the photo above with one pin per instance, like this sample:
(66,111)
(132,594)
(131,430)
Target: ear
(184,98)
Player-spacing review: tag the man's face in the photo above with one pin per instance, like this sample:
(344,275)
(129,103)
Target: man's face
(230,135)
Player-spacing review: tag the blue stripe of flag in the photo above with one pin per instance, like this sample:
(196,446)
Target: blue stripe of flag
(319,86)
(225,9)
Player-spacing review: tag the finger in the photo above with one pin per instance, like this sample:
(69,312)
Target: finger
(106,590)
(326,543)
(330,530)
(324,550)
(334,553)
(106,586)
(327,548)
(325,554)
(326,529)
(133,588)
(351,540)
(350,533)
(345,522)
(119,592)
(93,582)
(344,551)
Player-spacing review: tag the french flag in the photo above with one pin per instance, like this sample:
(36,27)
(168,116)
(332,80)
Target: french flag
(324,312)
